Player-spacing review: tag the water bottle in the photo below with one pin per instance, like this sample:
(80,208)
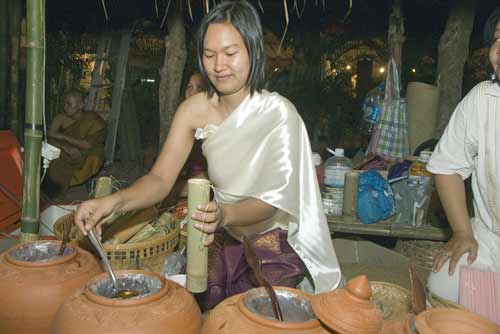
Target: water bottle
(417,173)
(372,106)
(333,184)
(316,158)
(420,188)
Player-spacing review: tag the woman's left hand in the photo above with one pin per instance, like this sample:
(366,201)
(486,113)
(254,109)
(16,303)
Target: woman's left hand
(210,216)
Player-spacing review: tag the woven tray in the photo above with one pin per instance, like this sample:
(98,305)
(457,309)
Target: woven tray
(148,254)
(393,300)
(436,301)
(420,252)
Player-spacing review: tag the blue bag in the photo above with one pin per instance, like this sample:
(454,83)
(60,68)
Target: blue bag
(375,198)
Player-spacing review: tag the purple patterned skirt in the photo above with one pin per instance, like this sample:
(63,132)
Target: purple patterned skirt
(229,273)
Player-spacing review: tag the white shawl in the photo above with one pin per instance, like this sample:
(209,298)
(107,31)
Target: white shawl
(262,151)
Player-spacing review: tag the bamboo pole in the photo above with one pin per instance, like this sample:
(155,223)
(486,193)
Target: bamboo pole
(15,19)
(33,119)
(197,252)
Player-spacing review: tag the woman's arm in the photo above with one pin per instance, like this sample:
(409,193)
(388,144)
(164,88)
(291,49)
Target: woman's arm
(151,188)
(451,191)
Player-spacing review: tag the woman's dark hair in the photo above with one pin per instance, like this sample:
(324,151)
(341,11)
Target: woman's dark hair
(245,20)
(491,26)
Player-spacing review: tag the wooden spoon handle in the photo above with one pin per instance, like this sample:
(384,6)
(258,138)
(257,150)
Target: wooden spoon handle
(254,263)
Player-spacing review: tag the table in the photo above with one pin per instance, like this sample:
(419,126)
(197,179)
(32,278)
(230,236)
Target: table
(386,228)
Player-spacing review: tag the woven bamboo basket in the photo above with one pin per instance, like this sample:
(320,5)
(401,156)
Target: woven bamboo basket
(436,301)
(149,254)
(420,252)
(393,300)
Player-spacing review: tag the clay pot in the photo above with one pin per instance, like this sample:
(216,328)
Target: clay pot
(32,291)
(349,311)
(251,313)
(167,308)
(452,321)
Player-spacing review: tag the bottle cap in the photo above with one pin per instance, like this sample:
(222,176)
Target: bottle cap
(339,152)
(316,158)
(424,156)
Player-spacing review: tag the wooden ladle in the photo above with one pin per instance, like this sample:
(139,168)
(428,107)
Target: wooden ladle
(254,263)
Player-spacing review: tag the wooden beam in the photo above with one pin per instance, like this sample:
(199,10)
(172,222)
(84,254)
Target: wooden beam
(118,86)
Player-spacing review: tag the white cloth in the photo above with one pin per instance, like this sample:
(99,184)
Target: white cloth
(262,151)
(471,145)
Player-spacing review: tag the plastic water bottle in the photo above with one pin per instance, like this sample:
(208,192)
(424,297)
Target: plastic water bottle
(333,184)
(316,158)
(372,106)
(417,173)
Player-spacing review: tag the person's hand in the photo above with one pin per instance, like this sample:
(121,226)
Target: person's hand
(457,246)
(94,213)
(73,152)
(210,216)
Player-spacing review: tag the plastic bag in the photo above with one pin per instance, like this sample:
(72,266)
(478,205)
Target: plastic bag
(390,136)
(375,198)
(372,106)
(412,202)
(174,264)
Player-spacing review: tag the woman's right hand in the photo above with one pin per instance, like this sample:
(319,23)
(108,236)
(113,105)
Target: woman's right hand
(457,246)
(94,213)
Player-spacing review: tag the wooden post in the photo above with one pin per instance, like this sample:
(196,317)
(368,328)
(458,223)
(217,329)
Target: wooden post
(171,73)
(197,252)
(396,34)
(116,104)
(33,120)
(4,60)
(453,51)
(102,58)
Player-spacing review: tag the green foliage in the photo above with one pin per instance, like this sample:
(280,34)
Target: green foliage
(65,67)
(327,103)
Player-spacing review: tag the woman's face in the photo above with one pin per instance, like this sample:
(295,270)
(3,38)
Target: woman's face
(195,85)
(225,59)
(494,53)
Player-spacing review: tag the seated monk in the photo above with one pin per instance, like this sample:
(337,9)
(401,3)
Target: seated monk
(81,136)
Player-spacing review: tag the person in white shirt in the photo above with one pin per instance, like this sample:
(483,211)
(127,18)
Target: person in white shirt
(469,146)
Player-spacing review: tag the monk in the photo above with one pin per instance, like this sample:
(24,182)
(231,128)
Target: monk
(81,136)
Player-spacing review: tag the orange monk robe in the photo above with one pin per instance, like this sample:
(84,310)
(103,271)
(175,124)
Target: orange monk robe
(67,171)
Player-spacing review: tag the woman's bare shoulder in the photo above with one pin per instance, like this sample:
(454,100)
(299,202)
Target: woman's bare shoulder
(195,109)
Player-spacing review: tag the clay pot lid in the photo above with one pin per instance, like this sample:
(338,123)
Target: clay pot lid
(349,310)
(450,321)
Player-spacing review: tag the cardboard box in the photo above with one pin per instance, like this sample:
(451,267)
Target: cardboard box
(357,257)
(48,217)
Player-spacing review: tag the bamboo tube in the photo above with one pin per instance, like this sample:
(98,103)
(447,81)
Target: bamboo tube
(30,216)
(126,234)
(103,187)
(197,252)
(351,183)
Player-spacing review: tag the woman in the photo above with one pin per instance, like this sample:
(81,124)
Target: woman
(196,165)
(196,84)
(258,154)
(469,146)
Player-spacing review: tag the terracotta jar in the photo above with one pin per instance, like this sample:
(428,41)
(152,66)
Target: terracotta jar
(349,311)
(34,282)
(451,321)
(251,313)
(162,307)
